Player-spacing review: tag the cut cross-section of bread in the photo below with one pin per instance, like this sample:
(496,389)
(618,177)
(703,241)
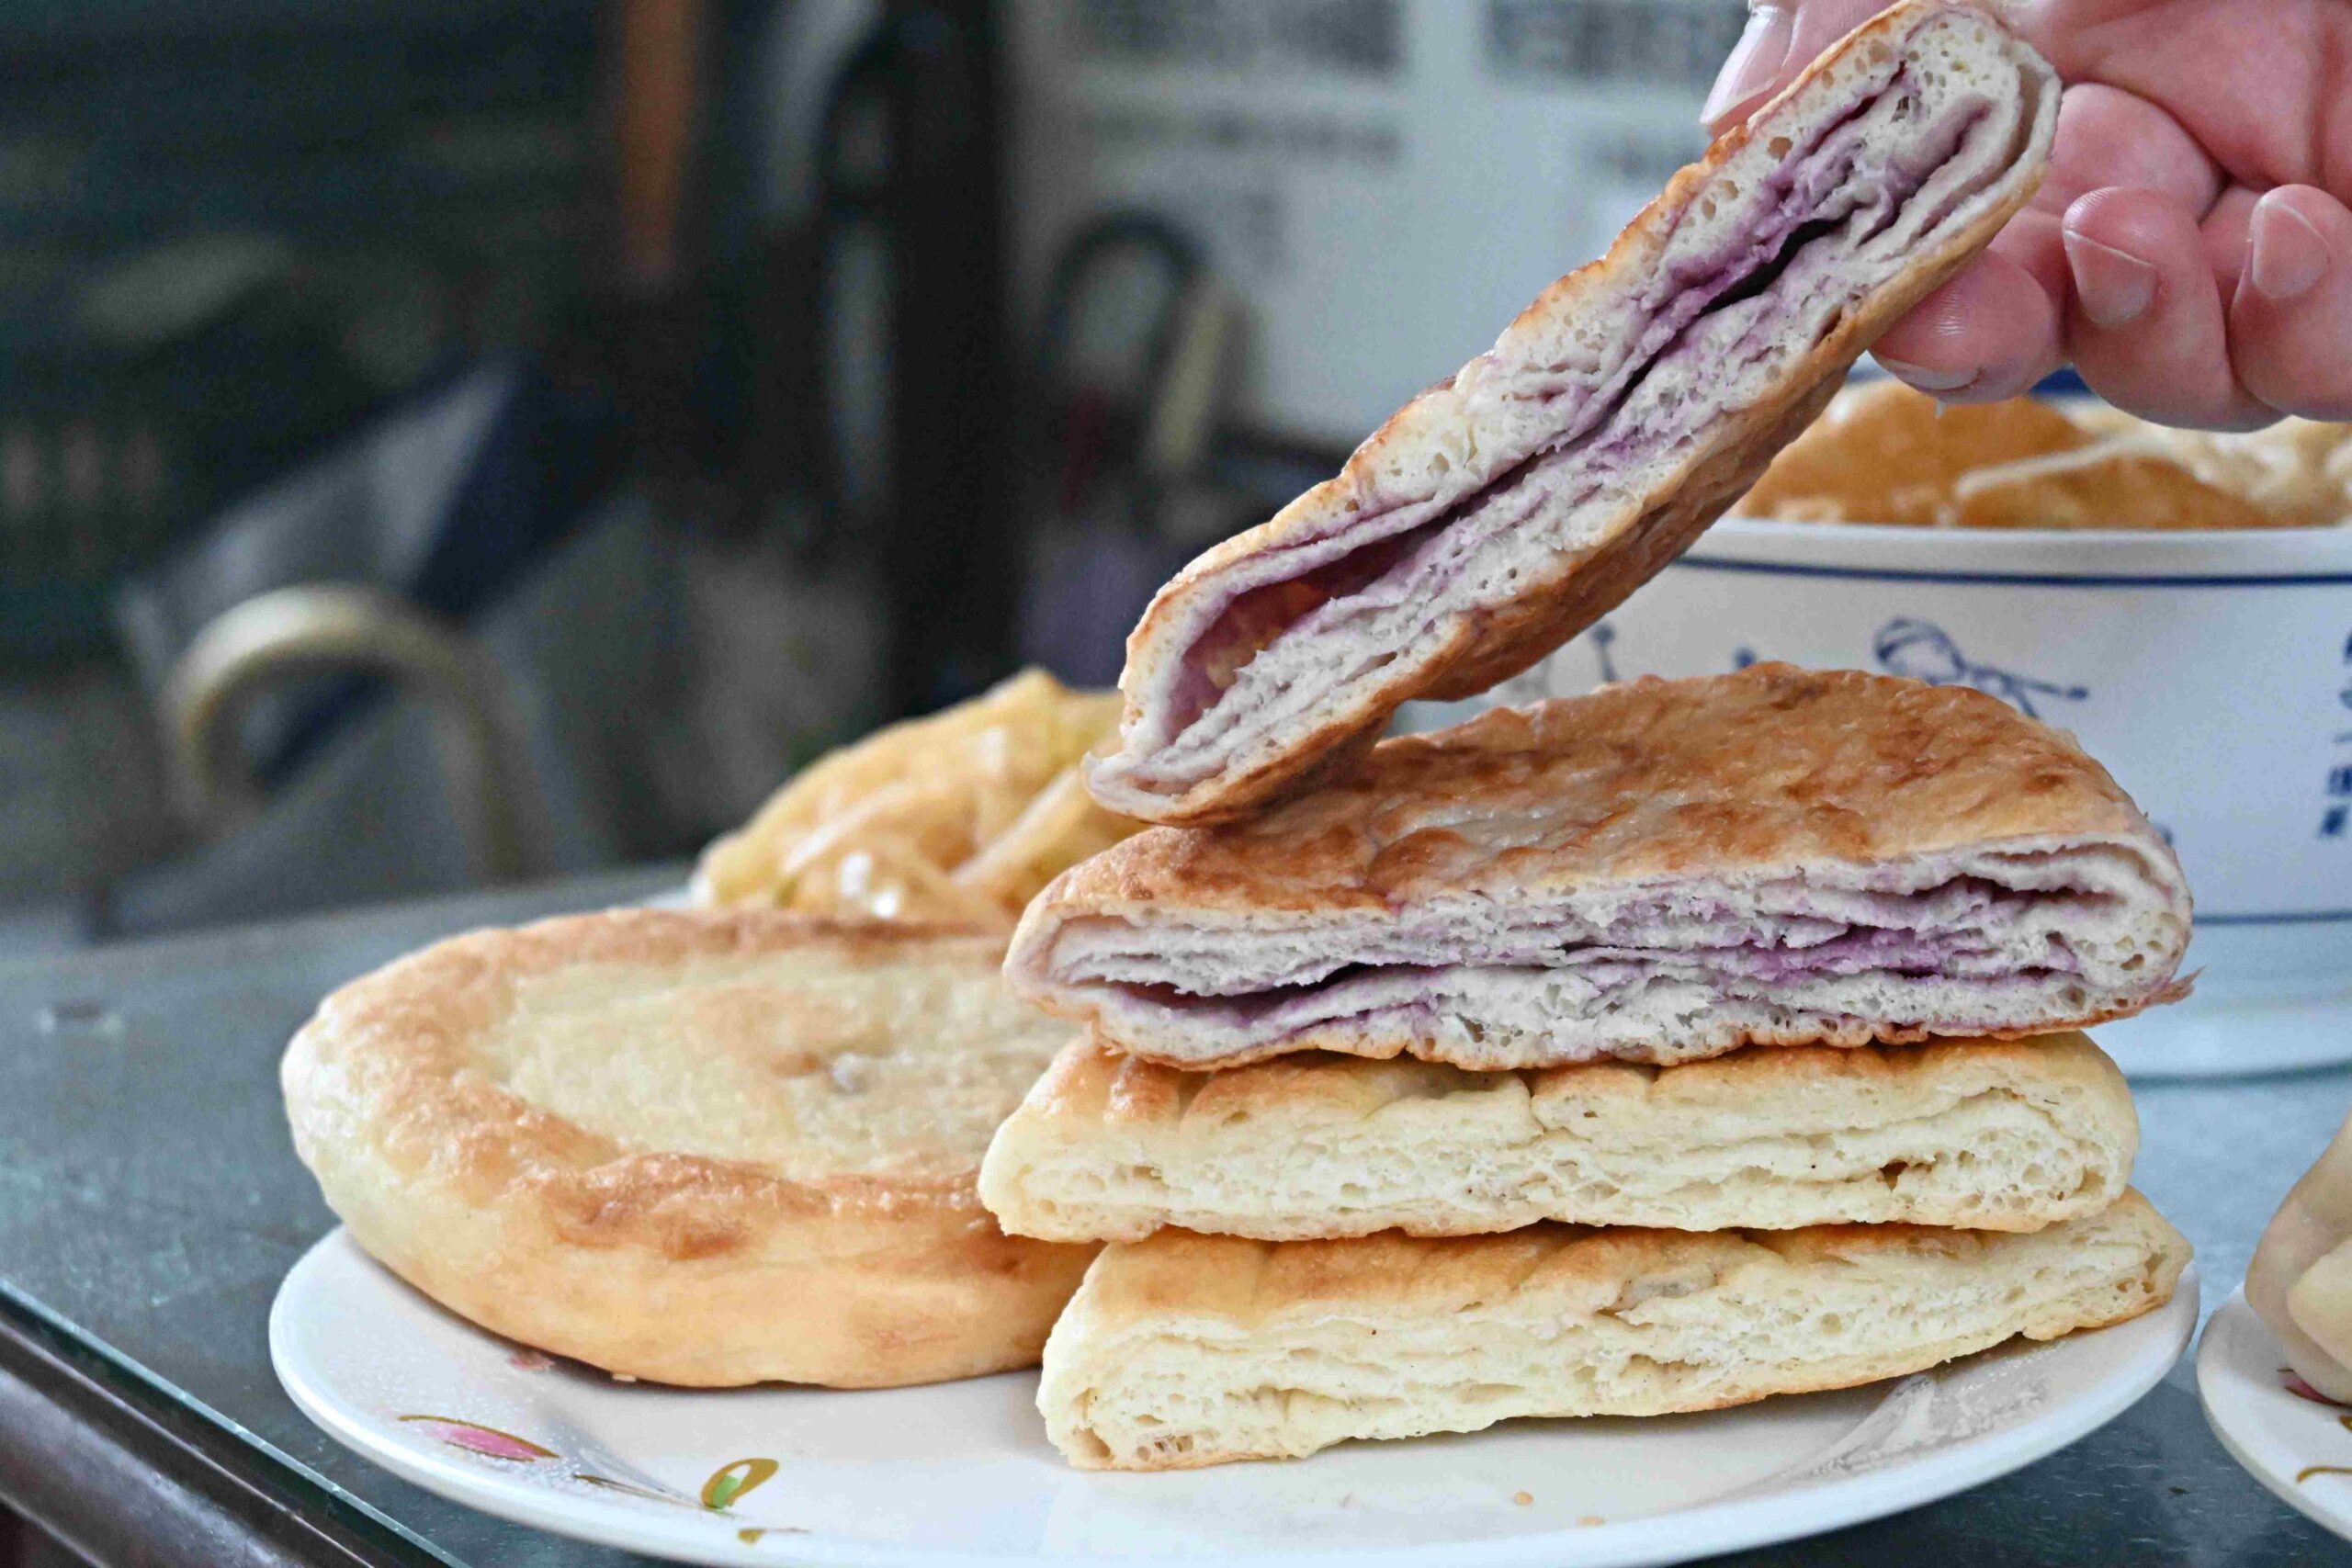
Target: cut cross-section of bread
(1189,1350)
(1513,504)
(1658,871)
(1994,1136)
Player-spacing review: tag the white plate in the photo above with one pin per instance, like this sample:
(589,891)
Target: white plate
(961,1473)
(2297,1444)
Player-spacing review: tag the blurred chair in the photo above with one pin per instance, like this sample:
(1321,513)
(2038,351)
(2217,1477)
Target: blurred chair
(469,410)
(290,633)
(409,666)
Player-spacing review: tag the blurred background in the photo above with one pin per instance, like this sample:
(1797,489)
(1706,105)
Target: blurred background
(446,444)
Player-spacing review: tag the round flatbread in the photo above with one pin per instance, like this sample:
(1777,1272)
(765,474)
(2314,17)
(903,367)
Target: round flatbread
(696,1147)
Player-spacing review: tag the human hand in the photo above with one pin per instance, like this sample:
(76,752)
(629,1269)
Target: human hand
(2191,250)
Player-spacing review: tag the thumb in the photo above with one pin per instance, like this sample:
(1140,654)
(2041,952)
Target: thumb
(1781,38)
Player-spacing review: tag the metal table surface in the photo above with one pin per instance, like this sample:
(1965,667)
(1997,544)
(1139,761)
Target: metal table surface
(150,1203)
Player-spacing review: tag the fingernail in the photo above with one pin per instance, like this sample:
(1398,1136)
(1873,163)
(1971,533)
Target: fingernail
(2288,254)
(1925,378)
(2114,287)
(1756,60)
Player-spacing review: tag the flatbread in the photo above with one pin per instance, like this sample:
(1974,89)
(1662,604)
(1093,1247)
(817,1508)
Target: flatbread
(1186,1351)
(1314,1146)
(1658,871)
(695,1147)
(1510,506)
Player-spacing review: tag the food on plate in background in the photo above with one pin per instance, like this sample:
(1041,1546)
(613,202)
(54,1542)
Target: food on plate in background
(961,816)
(2298,471)
(703,1147)
(1886,454)
(2300,1281)
(1513,504)
(1658,871)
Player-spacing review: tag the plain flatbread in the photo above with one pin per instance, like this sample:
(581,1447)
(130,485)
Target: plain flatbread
(1997,1136)
(697,1147)
(1189,1350)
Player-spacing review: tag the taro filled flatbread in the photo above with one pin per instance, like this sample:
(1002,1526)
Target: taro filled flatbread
(1510,506)
(1658,871)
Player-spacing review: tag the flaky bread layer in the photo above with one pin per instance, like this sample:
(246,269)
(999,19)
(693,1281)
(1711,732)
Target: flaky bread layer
(1995,1136)
(1186,1351)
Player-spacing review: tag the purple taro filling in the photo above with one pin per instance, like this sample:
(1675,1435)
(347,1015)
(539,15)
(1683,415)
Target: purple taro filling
(1734,969)
(1984,948)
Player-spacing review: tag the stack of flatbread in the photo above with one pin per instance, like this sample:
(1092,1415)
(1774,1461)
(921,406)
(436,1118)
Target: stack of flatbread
(1652,1051)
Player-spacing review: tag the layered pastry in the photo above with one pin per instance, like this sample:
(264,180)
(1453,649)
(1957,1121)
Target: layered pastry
(1509,507)
(1658,871)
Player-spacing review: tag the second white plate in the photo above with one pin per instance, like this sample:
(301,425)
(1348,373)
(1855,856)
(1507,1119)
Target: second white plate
(2288,1437)
(960,1475)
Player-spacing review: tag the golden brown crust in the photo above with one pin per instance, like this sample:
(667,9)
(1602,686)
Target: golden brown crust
(1773,766)
(1651,531)
(669,1265)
